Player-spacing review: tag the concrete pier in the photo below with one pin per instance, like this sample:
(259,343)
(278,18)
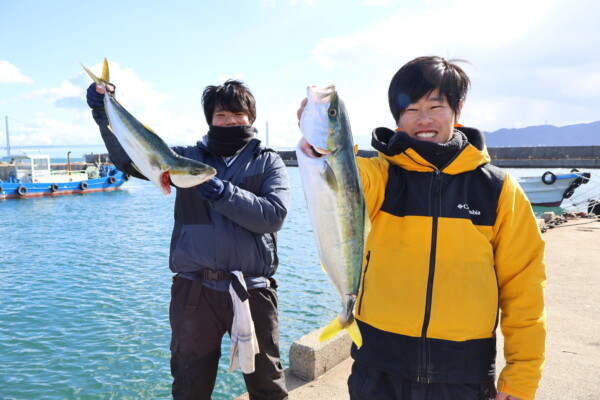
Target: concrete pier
(572,369)
(516,157)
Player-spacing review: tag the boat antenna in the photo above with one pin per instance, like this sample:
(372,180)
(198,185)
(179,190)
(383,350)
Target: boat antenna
(7,138)
(267,133)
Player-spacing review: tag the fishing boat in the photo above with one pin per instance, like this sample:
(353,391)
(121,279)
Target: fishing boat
(32,176)
(551,189)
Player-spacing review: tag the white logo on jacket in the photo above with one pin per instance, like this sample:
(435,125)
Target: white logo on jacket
(466,207)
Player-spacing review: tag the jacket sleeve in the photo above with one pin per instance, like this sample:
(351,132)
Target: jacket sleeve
(373,175)
(117,154)
(520,267)
(262,213)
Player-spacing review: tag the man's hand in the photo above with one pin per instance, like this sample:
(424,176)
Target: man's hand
(95,95)
(504,396)
(211,189)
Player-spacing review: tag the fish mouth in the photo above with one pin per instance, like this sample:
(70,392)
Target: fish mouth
(323,95)
(165,180)
(312,151)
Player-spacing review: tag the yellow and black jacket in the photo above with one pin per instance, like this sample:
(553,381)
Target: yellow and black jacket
(448,249)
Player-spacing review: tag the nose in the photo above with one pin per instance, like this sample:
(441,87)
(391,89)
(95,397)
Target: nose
(231,120)
(423,117)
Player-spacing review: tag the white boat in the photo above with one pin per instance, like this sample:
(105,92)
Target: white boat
(551,189)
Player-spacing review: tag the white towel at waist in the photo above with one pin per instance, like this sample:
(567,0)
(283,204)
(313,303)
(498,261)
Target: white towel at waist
(244,345)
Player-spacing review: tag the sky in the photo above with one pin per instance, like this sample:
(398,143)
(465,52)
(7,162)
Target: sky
(531,62)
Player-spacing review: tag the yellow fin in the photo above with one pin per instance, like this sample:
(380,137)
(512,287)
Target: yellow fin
(136,168)
(354,333)
(147,127)
(355,149)
(105,73)
(336,326)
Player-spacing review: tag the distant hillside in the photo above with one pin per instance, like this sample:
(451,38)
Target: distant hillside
(546,135)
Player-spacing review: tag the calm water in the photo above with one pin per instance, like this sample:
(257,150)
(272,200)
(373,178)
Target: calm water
(84,294)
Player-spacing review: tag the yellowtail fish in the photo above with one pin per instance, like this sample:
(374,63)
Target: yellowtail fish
(335,199)
(150,155)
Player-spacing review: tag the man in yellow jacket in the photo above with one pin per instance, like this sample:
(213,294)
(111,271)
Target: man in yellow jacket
(454,250)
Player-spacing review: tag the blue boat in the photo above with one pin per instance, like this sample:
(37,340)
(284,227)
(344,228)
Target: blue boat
(32,176)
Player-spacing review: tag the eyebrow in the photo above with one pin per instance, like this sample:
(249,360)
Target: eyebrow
(436,98)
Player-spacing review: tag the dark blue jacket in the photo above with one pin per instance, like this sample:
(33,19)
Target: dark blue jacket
(238,230)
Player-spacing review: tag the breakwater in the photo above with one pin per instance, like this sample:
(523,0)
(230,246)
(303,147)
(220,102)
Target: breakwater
(517,157)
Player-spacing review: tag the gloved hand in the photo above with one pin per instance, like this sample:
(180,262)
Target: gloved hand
(211,189)
(95,99)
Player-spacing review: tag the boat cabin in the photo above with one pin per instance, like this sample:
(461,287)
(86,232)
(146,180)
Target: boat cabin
(31,167)
(34,168)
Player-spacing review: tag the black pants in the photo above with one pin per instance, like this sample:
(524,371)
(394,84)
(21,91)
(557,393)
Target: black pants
(366,383)
(196,342)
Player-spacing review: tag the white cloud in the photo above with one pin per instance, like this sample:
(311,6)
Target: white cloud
(67,89)
(465,25)
(11,74)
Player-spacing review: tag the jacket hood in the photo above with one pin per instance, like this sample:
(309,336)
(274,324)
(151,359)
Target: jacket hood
(399,152)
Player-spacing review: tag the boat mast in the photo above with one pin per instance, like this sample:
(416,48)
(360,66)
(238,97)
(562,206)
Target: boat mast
(7,138)
(267,134)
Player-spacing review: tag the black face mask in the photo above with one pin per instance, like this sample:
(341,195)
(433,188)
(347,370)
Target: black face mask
(226,141)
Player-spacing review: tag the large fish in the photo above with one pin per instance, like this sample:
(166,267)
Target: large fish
(335,200)
(151,156)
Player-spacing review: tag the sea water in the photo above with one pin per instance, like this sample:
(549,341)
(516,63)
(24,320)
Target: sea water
(85,287)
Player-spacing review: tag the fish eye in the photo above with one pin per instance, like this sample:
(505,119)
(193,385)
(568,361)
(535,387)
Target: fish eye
(332,112)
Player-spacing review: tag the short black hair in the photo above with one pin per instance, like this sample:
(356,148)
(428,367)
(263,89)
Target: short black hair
(233,95)
(423,75)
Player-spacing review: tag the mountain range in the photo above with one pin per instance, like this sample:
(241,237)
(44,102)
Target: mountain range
(546,135)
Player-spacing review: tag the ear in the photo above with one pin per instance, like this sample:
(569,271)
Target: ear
(457,116)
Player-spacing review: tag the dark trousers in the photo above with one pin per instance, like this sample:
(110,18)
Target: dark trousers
(196,342)
(366,383)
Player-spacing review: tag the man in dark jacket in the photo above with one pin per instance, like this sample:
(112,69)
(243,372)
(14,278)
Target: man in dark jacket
(226,224)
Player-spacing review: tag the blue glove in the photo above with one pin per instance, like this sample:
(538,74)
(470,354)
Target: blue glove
(95,99)
(211,189)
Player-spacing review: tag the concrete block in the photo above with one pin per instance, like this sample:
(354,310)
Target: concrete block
(310,358)
(541,223)
(548,216)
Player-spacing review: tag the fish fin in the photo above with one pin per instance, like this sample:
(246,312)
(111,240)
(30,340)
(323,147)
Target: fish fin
(354,333)
(329,177)
(104,79)
(331,330)
(105,74)
(355,149)
(150,129)
(136,168)
(336,326)
(91,74)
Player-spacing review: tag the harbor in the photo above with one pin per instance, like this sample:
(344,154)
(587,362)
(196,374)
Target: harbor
(88,318)
(320,370)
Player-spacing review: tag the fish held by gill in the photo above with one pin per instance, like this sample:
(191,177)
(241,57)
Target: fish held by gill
(335,200)
(150,155)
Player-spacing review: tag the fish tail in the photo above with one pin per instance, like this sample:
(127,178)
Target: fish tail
(105,74)
(336,326)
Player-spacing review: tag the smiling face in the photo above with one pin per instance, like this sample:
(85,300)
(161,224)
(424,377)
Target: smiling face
(429,119)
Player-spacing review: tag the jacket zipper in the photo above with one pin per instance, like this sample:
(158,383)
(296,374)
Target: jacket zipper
(363,282)
(436,202)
